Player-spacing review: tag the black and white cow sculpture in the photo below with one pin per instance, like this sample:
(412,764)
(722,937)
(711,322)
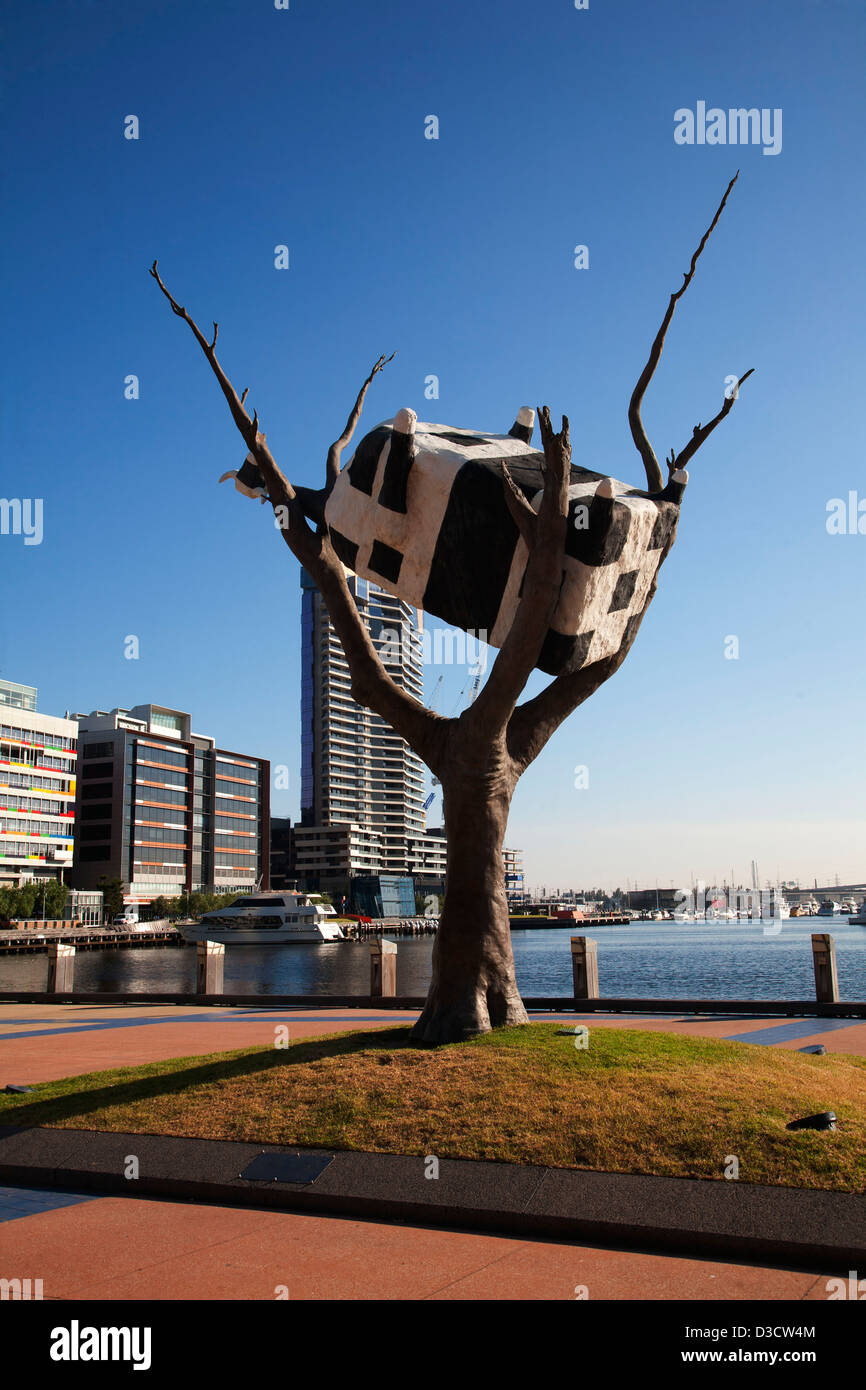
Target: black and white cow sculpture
(420,510)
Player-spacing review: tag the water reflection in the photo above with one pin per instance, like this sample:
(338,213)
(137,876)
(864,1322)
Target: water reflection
(648,960)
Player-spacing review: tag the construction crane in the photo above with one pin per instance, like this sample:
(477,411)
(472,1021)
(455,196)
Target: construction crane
(462,699)
(433,698)
(471,682)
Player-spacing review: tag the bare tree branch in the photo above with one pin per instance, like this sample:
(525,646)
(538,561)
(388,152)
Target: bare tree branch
(701,432)
(655,481)
(332,467)
(524,516)
(371,684)
(535,721)
(542,582)
(246,426)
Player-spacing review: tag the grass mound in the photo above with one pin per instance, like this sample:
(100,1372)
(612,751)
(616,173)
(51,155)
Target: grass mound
(633,1102)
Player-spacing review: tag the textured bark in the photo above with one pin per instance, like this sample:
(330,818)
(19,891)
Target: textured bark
(473,986)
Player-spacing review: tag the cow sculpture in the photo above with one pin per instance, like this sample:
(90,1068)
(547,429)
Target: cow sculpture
(421,510)
(556,564)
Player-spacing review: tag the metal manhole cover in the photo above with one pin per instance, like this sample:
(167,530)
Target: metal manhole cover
(299,1168)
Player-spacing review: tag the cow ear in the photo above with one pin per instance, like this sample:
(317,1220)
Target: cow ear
(404,421)
(523,425)
(676,485)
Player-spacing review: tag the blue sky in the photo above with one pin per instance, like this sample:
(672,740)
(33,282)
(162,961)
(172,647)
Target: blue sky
(305,127)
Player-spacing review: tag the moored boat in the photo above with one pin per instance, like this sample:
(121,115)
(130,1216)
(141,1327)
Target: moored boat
(267,919)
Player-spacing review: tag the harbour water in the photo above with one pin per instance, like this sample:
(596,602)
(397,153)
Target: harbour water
(770,960)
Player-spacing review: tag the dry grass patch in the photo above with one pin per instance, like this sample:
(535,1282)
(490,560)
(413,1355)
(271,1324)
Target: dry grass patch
(633,1102)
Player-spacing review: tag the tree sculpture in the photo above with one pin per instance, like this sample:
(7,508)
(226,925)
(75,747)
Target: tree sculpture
(570,606)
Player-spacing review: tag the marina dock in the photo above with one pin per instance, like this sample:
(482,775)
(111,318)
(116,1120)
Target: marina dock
(611,919)
(392,926)
(27,940)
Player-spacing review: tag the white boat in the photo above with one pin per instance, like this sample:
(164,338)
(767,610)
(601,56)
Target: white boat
(828,908)
(267,919)
(859,918)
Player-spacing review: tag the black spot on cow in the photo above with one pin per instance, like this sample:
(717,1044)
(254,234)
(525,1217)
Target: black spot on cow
(662,527)
(362,469)
(563,653)
(347,550)
(398,466)
(622,594)
(474,550)
(631,628)
(385,560)
(602,539)
(468,441)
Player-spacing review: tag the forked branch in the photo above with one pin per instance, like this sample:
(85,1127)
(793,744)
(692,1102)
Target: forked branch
(525,518)
(542,581)
(702,432)
(535,721)
(655,482)
(246,426)
(371,683)
(332,468)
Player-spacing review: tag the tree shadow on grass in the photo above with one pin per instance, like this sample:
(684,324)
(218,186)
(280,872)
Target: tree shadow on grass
(29,1114)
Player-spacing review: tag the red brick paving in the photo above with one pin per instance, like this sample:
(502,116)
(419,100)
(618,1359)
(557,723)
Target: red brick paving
(122,1248)
(48,1058)
(36,1058)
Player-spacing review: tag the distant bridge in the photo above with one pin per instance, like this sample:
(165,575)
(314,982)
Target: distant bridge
(844,890)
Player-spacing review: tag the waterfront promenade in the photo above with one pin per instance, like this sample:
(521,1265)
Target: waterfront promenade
(125,1248)
(43,1042)
(86,1245)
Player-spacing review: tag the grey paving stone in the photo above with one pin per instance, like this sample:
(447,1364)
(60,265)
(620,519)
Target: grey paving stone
(815,1229)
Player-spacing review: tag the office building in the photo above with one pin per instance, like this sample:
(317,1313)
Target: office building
(361,784)
(327,856)
(84,907)
(383,895)
(165,810)
(514,887)
(427,861)
(38,755)
(282,853)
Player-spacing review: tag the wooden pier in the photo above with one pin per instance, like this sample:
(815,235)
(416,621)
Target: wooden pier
(611,919)
(29,940)
(393,926)
(428,926)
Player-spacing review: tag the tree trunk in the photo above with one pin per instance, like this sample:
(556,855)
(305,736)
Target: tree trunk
(473,988)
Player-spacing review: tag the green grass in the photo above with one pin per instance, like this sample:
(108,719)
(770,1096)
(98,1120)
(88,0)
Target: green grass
(633,1102)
